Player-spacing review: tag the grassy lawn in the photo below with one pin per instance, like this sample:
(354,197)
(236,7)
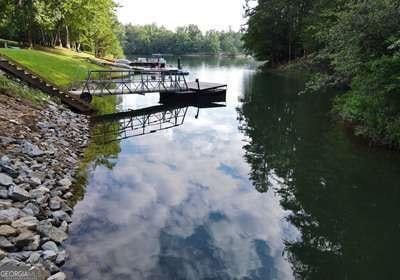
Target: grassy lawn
(12,88)
(57,66)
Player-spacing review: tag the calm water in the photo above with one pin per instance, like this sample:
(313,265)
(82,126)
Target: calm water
(267,187)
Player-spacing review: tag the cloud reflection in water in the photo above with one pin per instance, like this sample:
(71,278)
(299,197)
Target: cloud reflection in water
(169,211)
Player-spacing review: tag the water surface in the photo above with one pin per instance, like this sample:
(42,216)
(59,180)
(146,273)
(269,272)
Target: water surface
(268,187)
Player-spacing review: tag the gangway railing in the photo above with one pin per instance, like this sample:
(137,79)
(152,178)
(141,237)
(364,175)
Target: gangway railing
(116,82)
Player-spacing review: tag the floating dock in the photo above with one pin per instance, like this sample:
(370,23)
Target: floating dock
(170,83)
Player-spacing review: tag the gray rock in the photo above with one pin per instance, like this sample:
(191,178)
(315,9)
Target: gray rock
(55,203)
(9,170)
(25,238)
(6,140)
(19,194)
(5,204)
(41,271)
(28,222)
(4,159)
(51,267)
(3,193)
(41,191)
(64,226)
(58,276)
(61,258)
(9,215)
(20,256)
(34,245)
(6,244)
(42,200)
(49,255)
(6,230)
(66,208)
(5,180)
(68,195)
(31,209)
(35,181)
(50,245)
(31,149)
(8,261)
(2,254)
(34,258)
(46,229)
(65,182)
(62,216)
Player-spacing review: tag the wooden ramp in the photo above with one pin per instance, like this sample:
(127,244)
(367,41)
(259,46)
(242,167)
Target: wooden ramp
(33,81)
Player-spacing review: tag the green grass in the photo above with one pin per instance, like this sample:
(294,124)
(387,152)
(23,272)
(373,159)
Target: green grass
(59,67)
(12,88)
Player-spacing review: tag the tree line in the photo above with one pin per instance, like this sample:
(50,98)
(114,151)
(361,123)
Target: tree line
(354,45)
(89,25)
(149,39)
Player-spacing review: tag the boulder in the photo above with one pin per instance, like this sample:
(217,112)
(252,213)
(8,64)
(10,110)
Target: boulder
(28,222)
(34,258)
(6,230)
(62,216)
(55,203)
(19,194)
(61,258)
(6,244)
(9,215)
(66,182)
(9,170)
(5,204)
(3,193)
(35,181)
(3,254)
(31,149)
(49,255)
(46,229)
(58,276)
(50,245)
(25,238)
(34,245)
(5,180)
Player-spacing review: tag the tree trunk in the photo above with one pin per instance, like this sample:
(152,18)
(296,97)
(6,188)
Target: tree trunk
(30,42)
(67,41)
(58,38)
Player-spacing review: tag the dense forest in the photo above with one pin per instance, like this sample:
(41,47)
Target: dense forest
(353,44)
(149,39)
(79,24)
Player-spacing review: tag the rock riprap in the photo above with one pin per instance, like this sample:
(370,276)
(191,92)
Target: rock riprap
(39,155)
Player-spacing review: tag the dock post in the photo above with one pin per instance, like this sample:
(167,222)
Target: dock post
(179,64)
(198,87)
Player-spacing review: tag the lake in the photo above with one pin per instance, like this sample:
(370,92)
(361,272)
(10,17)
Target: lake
(268,187)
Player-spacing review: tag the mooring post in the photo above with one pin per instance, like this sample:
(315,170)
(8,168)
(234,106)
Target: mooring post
(198,86)
(179,64)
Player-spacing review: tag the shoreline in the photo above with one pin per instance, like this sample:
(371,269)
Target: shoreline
(40,150)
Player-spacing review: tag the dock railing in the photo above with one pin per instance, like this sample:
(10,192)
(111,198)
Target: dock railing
(112,82)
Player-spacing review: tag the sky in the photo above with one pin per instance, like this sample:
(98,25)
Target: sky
(207,14)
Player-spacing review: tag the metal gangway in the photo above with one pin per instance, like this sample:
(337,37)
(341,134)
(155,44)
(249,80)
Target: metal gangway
(134,81)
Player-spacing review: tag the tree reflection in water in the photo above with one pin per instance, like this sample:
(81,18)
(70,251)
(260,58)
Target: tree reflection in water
(344,197)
